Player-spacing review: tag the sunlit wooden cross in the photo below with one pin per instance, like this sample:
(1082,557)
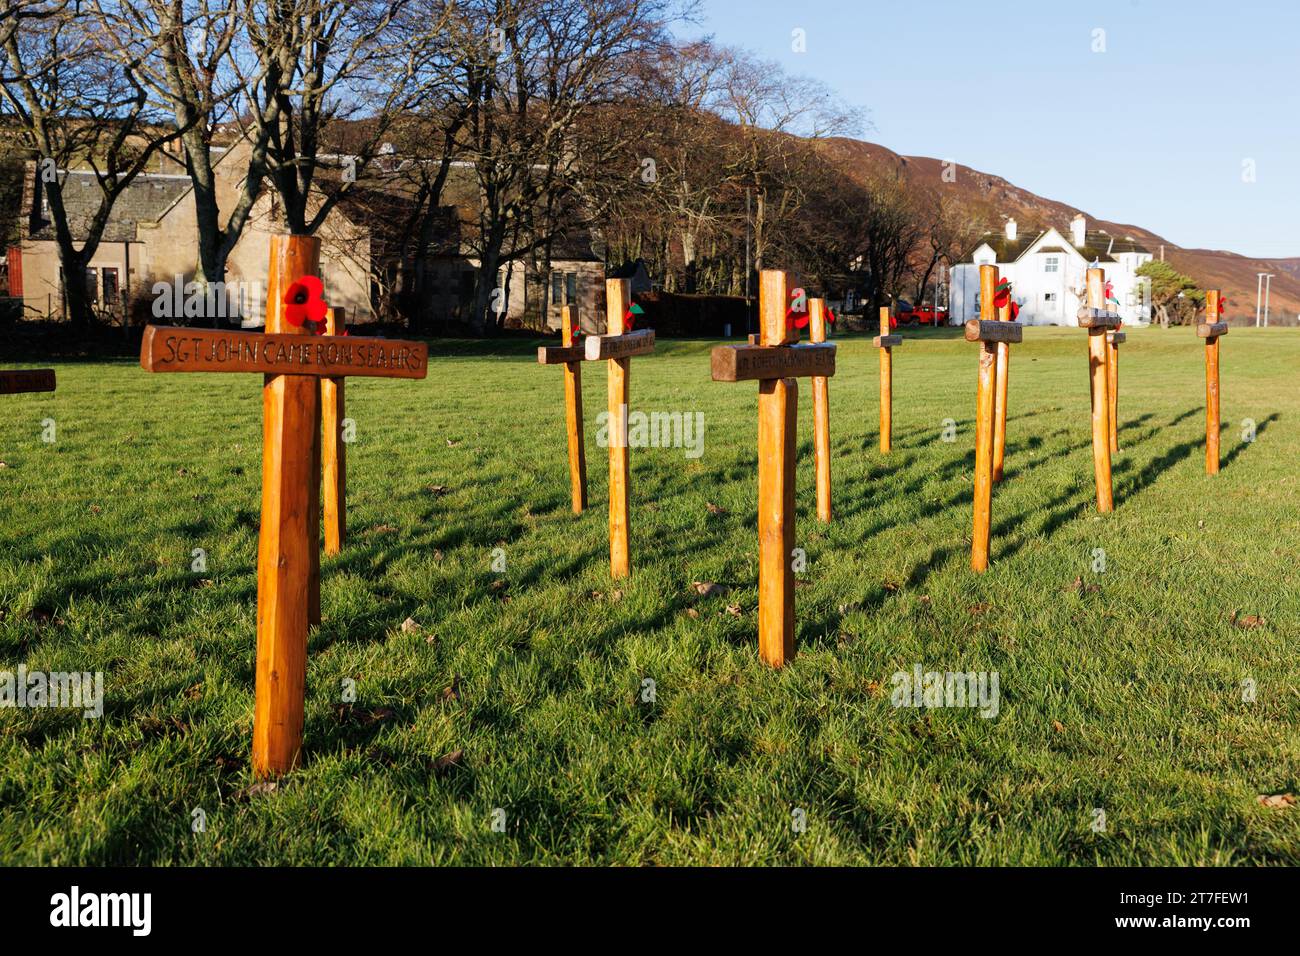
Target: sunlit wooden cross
(1098,320)
(776,363)
(821,413)
(1211,332)
(571,357)
(618,346)
(886,343)
(991,334)
(334,463)
(288,554)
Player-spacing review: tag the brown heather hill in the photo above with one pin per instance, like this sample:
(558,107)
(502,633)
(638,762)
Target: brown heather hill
(990,199)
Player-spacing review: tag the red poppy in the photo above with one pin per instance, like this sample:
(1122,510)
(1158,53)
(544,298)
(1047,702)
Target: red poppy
(1002,294)
(1110,290)
(304,304)
(1223,304)
(830,315)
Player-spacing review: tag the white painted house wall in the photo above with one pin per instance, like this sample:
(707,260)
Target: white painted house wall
(1049,286)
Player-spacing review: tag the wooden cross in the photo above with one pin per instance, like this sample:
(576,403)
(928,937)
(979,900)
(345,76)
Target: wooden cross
(886,343)
(18,381)
(775,363)
(1001,376)
(1210,331)
(288,553)
(571,357)
(821,414)
(334,465)
(1097,320)
(990,333)
(1114,339)
(618,346)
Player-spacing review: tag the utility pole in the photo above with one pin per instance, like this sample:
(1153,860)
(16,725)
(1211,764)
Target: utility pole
(1259,285)
(1268,284)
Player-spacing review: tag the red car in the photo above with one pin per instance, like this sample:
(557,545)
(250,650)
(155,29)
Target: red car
(911,316)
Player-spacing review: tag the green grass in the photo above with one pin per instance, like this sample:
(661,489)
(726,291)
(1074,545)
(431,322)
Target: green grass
(1125,696)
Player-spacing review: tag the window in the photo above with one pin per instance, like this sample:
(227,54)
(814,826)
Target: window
(564,288)
(92,286)
(1052,264)
(110,286)
(1049,296)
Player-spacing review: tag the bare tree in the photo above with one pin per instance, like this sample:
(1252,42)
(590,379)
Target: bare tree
(536,68)
(331,75)
(182,50)
(777,115)
(75,106)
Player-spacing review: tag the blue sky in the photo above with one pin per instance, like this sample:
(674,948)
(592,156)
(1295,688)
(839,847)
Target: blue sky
(1154,131)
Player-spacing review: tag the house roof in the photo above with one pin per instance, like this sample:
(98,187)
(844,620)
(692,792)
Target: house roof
(1097,242)
(1098,245)
(1008,250)
(145,199)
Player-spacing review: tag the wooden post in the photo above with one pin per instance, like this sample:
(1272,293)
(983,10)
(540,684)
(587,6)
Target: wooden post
(333,449)
(886,342)
(618,346)
(778,404)
(288,554)
(1210,330)
(821,415)
(984,426)
(618,296)
(1113,340)
(1099,378)
(1000,397)
(776,364)
(573,413)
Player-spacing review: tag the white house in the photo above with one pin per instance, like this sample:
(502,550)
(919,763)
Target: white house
(1048,274)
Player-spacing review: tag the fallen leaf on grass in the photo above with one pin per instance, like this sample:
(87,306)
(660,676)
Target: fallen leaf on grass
(873,688)
(195,692)
(691,612)
(364,716)
(409,626)
(447,761)
(436,490)
(708,589)
(734,610)
(975,610)
(452,444)
(379,529)
(1249,622)
(202,583)
(715,509)
(257,790)
(1083,587)
(1058,726)
(453,692)
(1277,800)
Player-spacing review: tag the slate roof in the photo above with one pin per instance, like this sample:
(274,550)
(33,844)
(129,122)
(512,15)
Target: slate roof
(1095,245)
(147,197)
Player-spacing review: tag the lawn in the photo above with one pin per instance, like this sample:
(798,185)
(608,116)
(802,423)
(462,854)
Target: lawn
(512,721)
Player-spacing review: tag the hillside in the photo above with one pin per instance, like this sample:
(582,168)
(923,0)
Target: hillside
(991,199)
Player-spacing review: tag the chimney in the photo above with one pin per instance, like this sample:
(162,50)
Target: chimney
(1011,229)
(1078,231)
